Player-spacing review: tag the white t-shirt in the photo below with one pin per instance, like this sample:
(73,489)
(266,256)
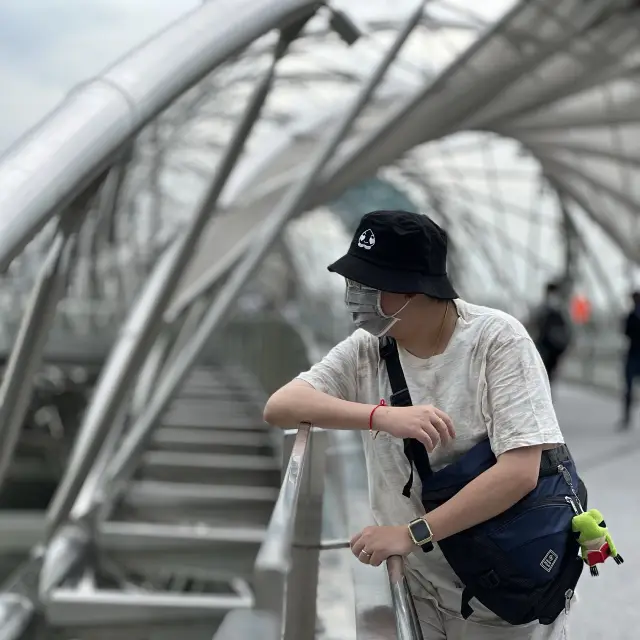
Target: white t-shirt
(490,380)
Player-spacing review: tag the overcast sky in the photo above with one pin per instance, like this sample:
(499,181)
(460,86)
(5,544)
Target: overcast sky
(49,46)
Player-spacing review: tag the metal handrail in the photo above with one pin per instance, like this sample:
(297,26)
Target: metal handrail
(275,560)
(379,607)
(274,557)
(407,623)
(286,569)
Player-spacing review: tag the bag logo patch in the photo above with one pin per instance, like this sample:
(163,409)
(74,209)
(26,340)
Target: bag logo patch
(549,561)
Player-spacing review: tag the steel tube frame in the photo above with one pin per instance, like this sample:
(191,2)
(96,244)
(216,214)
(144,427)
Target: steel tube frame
(406,110)
(565,193)
(571,245)
(558,171)
(189,320)
(49,168)
(88,505)
(114,385)
(66,551)
(292,203)
(69,607)
(145,320)
(332,182)
(16,612)
(26,355)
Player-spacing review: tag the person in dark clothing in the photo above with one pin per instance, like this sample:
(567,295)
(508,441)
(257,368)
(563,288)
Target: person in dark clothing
(551,329)
(632,361)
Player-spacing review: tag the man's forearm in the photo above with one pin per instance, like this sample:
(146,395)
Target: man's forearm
(487,496)
(300,402)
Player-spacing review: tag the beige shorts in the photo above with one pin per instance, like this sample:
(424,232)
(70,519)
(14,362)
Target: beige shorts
(437,595)
(439,625)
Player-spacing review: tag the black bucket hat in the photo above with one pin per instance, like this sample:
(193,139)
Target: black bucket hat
(398,252)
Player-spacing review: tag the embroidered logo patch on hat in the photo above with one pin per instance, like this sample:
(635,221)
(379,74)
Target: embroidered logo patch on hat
(366,240)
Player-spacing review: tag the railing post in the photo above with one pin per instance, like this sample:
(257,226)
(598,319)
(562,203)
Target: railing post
(286,581)
(302,585)
(270,581)
(270,586)
(407,622)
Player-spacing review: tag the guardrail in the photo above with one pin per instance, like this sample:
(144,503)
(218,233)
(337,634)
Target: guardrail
(286,578)
(407,623)
(286,570)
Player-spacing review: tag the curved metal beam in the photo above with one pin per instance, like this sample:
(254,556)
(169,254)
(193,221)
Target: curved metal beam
(57,159)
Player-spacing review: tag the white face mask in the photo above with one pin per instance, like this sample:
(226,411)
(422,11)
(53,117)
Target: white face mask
(366,311)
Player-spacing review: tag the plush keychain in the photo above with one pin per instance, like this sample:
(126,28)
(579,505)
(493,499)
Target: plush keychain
(595,541)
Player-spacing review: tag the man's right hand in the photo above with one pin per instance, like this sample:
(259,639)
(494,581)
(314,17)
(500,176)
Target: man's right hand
(425,423)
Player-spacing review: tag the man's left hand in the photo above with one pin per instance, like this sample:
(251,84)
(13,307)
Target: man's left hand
(374,545)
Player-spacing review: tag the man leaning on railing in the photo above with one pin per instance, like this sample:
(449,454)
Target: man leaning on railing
(474,376)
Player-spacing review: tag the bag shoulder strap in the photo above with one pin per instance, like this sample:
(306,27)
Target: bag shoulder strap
(389,353)
(401,397)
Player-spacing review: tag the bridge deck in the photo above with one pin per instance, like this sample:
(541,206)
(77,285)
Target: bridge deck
(610,465)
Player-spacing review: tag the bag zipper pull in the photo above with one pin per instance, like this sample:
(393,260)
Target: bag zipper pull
(566,475)
(569,500)
(575,502)
(568,594)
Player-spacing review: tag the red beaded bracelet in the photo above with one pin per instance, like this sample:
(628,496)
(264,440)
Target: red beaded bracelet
(382,404)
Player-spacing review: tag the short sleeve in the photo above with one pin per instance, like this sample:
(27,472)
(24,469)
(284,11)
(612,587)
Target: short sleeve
(336,373)
(517,404)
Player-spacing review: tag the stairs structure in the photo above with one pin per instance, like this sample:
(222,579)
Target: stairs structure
(177,551)
(211,461)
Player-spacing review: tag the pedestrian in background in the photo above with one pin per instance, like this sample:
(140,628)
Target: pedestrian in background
(632,361)
(551,329)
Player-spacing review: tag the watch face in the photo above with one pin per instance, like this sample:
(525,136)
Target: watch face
(420,531)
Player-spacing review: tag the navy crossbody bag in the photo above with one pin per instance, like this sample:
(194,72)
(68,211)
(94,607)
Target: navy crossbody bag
(523,564)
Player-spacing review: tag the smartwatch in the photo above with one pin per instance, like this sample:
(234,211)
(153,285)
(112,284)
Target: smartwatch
(421,534)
